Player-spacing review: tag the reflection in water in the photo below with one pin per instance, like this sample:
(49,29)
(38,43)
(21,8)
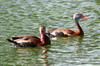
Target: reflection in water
(44,57)
(67,49)
(32,56)
(75,41)
(79,42)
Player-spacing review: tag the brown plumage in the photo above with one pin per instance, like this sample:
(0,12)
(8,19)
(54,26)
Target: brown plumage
(31,41)
(64,32)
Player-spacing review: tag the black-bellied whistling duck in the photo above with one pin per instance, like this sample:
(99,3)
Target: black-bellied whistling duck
(68,32)
(31,41)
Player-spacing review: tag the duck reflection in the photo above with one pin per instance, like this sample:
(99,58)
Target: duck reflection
(44,57)
(79,44)
(32,56)
(70,42)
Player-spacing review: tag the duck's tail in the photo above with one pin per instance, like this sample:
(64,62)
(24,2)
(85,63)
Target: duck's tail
(10,40)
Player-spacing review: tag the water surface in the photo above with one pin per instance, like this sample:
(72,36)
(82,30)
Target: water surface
(23,17)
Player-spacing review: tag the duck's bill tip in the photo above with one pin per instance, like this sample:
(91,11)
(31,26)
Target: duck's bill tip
(84,17)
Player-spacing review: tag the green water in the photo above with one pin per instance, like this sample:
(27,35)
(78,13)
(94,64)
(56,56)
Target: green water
(23,17)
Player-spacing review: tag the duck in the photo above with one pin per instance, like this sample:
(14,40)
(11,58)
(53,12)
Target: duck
(31,41)
(65,32)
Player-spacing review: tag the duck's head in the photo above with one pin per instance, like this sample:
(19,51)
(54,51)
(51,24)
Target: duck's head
(42,33)
(42,29)
(77,16)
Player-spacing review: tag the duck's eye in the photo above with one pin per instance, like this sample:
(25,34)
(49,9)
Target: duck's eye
(78,14)
(42,31)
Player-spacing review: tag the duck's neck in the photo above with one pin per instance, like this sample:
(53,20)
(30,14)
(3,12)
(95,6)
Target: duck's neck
(80,30)
(42,38)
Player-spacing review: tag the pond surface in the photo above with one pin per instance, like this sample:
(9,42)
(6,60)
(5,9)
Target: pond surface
(23,17)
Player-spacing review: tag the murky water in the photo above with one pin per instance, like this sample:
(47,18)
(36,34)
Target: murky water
(23,17)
